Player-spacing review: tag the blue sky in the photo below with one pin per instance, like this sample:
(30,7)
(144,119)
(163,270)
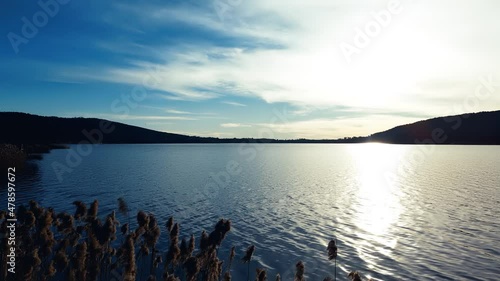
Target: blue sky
(240,68)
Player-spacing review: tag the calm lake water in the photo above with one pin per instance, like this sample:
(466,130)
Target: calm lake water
(397,212)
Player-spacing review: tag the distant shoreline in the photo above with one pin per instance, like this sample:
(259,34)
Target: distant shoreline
(481,128)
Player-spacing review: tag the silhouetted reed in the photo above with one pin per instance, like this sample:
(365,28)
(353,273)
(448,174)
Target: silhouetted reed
(123,206)
(248,254)
(299,271)
(11,156)
(192,268)
(332,254)
(129,260)
(170,224)
(81,210)
(247,258)
(87,247)
(261,275)
(354,275)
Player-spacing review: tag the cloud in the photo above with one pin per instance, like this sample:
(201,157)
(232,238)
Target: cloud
(174,111)
(233,103)
(288,52)
(235,125)
(136,117)
(324,128)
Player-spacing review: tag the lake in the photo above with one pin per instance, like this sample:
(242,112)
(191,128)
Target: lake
(397,212)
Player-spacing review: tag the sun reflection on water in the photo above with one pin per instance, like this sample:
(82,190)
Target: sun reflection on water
(378,206)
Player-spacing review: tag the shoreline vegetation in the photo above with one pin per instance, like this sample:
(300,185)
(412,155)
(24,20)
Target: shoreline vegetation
(11,156)
(15,155)
(82,246)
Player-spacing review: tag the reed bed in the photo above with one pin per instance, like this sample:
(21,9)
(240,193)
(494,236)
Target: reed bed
(11,156)
(84,246)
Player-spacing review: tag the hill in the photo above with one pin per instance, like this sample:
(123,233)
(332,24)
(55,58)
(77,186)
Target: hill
(474,128)
(33,129)
(23,128)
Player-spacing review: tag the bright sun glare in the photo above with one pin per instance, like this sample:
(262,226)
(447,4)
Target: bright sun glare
(378,206)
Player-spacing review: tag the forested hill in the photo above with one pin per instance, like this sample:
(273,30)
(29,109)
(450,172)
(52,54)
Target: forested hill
(23,128)
(474,128)
(33,129)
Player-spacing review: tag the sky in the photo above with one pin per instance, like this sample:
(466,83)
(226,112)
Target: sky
(240,68)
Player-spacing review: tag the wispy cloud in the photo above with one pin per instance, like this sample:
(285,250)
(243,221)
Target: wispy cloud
(233,103)
(324,128)
(309,70)
(174,111)
(288,52)
(235,125)
(133,117)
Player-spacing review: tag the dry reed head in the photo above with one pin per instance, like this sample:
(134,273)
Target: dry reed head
(170,224)
(232,253)
(129,260)
(332,250)
(35,208)
(61,260)
(109,230)
(192,267)
(142,219)
(214,268)
(169,277)
(261,275)
(139,231)
(122,206)
(354,275)
(81,210)
(221,229)
(204,241)
(144,250)
(45,220)
(46,241)
(124,229)
(92,213)
(158,261)
(300,269)
(66,223)
(174,234)
(80,256)
(173,253)
(248,254)
(153,232)
(191,245)
(79,261)
(30,219)
(184,249)
(51,270)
